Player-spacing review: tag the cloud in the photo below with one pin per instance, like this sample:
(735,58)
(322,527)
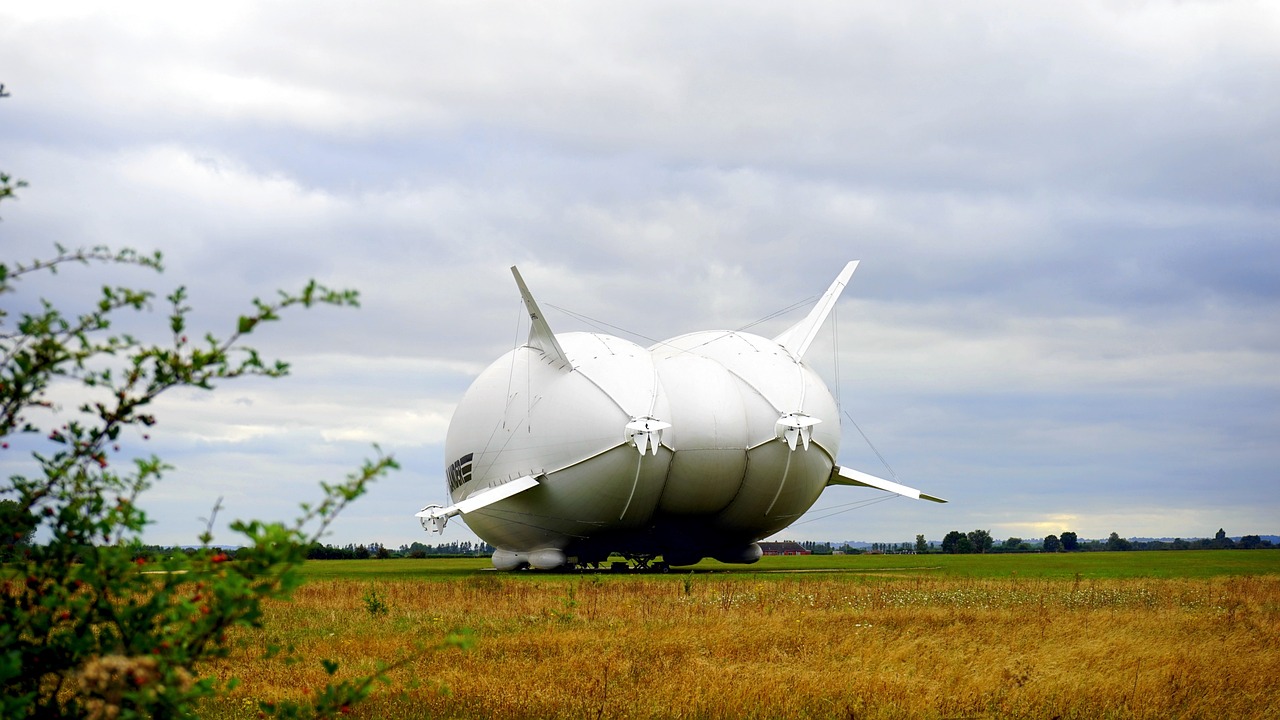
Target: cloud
(1066,217)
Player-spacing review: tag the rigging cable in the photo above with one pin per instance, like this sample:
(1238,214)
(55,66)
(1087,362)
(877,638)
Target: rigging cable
(515,343)
(506,410)
(858,505)
(884,462)
(783,311)
(599,324)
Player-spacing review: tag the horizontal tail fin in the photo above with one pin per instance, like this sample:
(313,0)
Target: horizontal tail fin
(847,476)
(434,517)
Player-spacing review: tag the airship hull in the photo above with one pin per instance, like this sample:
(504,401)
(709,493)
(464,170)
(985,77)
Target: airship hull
(578,445)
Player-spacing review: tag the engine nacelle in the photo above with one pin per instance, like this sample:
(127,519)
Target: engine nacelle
(744,555)
(545,559)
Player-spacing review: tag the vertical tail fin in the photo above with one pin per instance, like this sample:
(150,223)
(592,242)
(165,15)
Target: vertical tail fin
(796,339)
(540,335)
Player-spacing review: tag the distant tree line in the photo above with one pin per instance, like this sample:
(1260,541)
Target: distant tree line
(980,541)
(453,549)
(817,548)
(12,547)
(955,542)
(378,551)
(902,548)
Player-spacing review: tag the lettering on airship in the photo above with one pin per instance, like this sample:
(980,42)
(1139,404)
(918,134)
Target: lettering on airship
(459,472)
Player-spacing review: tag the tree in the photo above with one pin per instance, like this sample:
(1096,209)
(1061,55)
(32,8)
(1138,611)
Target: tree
(951,543)
(981,540)
(84,630)
(1013,543)
(1115,542)
(1221,541)
(1070,543)
(922,545)
(1250,542)
(1052,543)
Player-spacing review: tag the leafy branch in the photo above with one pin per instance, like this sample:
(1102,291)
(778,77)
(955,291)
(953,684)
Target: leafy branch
(86,628)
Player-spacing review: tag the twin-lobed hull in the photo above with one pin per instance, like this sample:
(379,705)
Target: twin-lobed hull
(579,445)
(720,476)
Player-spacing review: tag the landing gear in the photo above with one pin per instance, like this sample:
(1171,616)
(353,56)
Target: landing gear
(634,564)
(641,562)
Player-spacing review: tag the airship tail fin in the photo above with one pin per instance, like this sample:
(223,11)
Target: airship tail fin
(434,517)
(540,335)
(848,476)
(796,339)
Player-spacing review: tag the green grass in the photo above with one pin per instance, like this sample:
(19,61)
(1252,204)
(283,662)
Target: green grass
(395,569)
(1091,565)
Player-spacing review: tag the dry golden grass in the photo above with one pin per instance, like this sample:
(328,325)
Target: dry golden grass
(786,646)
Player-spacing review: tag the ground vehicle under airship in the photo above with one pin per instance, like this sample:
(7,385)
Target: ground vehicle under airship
(578,445)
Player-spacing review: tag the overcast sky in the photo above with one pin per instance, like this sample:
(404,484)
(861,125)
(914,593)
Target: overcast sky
(1067,315)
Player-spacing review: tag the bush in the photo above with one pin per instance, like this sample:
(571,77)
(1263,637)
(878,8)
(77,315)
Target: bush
(89,627)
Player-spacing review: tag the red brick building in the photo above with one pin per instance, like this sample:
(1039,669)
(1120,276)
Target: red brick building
(785,547)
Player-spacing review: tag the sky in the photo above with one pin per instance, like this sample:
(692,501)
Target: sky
(1066,317)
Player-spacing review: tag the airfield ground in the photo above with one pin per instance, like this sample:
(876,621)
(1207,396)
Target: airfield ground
(1089,635)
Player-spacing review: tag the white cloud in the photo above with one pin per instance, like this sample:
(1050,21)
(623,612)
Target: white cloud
(1066,217)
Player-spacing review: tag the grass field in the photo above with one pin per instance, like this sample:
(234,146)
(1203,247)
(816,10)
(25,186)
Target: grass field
(1124,635)
(1179,564)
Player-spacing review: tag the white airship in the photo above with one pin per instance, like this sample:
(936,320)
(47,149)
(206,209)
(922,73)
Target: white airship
(579,445)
